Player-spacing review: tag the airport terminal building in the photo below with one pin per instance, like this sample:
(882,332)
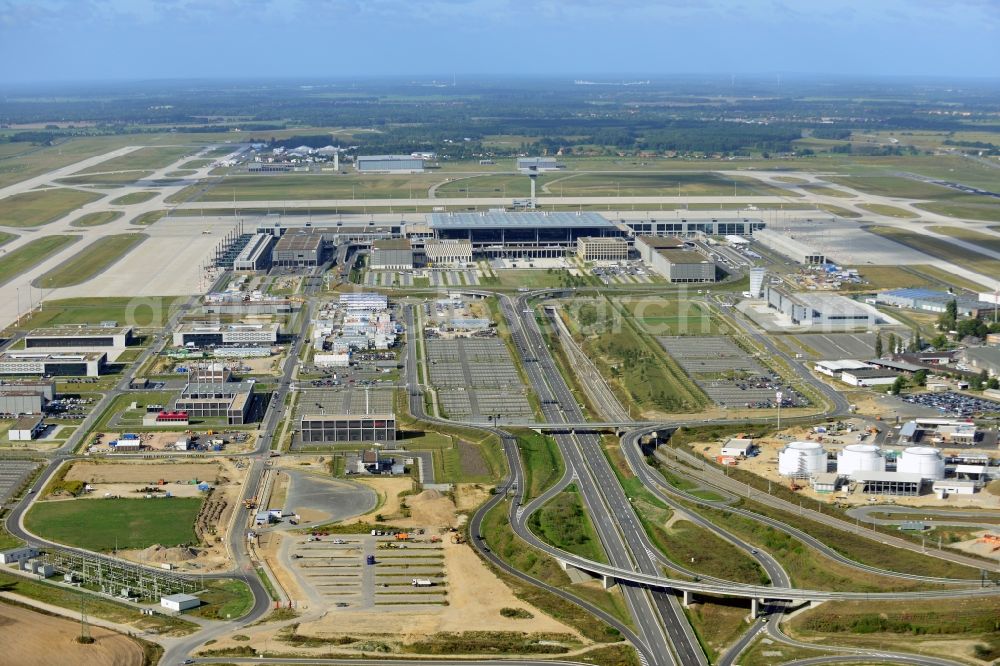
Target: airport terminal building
(520,234)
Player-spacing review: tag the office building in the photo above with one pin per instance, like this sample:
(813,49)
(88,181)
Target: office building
(205,334)
(82,364)
(330,428)
(80,338)
(26,428)
(670,258)
(298,249)
(611,248)
(256,255)
(391,254)
(448,252)
(230,400)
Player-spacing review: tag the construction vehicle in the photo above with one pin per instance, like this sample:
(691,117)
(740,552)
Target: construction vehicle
(435,539)
(422,582)
(250,503)
(403,536)
(793,486)
(456,537)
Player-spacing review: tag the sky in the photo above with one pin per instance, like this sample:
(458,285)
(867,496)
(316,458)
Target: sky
(92,40)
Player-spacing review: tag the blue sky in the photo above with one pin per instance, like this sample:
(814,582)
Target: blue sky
(51,40)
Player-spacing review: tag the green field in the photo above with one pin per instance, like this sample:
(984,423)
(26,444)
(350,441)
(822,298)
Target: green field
(115,179)
(543,465)
(563,523)
(6,237)
(671,316)
(91,260)
(224,599)
(838,210)
(190,165)
(149,218)
(143,158)
(941,249)
(611,184)
(531,278)
(103,524)
(889,211)
(986,241)
(890,277)
(133,198)
(97,219)
(38,207)
(986,212)
(895,186)
(825,190)
(34,252)
(144,311)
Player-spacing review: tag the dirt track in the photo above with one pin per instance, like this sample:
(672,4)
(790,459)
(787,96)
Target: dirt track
(34,639)
(142,472)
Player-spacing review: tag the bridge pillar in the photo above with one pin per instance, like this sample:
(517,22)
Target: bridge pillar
(686,598)
(608,582)
(754,607)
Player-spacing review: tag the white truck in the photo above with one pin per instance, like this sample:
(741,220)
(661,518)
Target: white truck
(422,582)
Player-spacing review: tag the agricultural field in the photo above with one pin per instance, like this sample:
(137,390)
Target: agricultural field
(97,219)
(91,261)
(39,207)
(30,254)
(104,525)
(941,249)
(143,158)
(133,198)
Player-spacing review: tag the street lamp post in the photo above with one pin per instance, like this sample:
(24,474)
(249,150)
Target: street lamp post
(778,396)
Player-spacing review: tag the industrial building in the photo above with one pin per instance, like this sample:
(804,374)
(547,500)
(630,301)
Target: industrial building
(802,460)
(256,255)
(16,555)
(836,368)
(179,602)
(539,164)
(80,338)
(983,358)
(926,461)
(391,254)
(888,483)
(596,248)
(447,252)
(929,300)
(330,428)
(939,431)
(26,428)
(82,364)
(389,164)
(669,257)
(869,377)
(26,396)
(789,247)
(525,234)
(230,400)
(757,276)
(206,334)
(298,249)
(826,310)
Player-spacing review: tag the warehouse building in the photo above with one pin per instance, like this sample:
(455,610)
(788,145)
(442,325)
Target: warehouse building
(26,428)
(670,258)
(179,602)
(596,248)
(230,400)
(329,428)
(809,309)
(447,253)
(389,164)
(888,483)
(391,254)
(868,377)
(539,164)
(789,247)
(80,338)
(26,396)
(521,234)
(983,358)
(206,334)
(83,364)
(929,300)
(256,255)
(298,249)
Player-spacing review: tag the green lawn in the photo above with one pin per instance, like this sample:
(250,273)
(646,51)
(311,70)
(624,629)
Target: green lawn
(890,277)
(890,211)
(38,207)
(6,237)
(671,316)
(563,523)
(145,311)
(149,218)
(144,158)
(825,190)
(543,465)
(133,198)
(91,261)
(198,163)
(970,211)
(97,219)
(34,252)
(101,524)
(838,211)
(224,600)
(116,179)
(532,278)
(986,241)
(941,249)
(894,186)
(309,186)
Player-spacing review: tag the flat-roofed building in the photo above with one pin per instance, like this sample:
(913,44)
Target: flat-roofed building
(687,223)
(389,164)
(391,254)
(230,400)
(82,364)
(209,373)
(930,300)
(984,358)
(787,246)
(869,377)
(80,338)
(26,428)
(207,334)
(26,396)
(596,248)
(256,255)
(330,428)
(448,252)
(299,248)
(828,310)
(670,258)
(524,234)
(539,164)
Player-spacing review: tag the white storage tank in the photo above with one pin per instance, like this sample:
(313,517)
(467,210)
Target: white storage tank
(860,458)
(923,460)
(802,459)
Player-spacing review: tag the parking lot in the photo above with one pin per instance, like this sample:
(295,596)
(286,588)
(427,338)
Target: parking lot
(954,404)
(12,475)
(335,568)
(730,376)
(476,378)
(436,278)
(833,346)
